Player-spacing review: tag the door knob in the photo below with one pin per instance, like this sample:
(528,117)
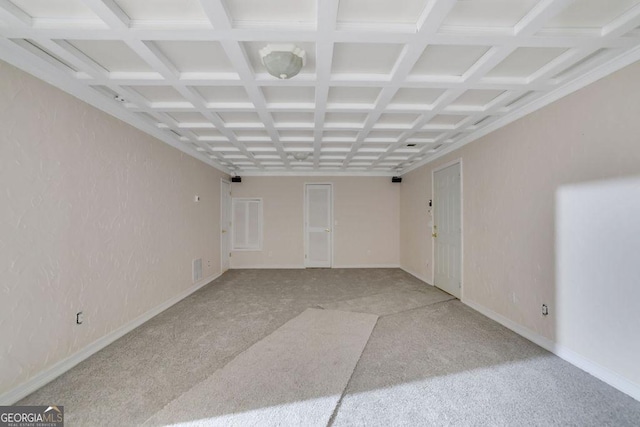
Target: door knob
(434,235)
(224,231)
(327,230)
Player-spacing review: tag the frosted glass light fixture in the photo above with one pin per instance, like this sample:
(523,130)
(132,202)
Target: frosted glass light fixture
(283,60)
(301,156)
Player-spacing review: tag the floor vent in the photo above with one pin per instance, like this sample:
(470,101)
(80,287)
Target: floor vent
(197,270)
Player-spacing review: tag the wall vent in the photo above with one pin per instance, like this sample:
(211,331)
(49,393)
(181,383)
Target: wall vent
(197,270)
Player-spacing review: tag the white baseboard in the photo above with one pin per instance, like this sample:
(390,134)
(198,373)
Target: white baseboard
(367,266)
(416,275)
(534,337)
(269,267)
(604,374)
(298,267)
(49,374)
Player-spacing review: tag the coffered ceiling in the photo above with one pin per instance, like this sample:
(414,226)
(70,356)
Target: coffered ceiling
(388,85)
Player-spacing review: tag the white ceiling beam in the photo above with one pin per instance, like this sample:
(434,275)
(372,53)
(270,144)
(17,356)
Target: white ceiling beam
(428,24)
(13,15)
(173,31)
(433,14)
(109,12)
(623,24)
(539,16)
(219,17)
(326,24)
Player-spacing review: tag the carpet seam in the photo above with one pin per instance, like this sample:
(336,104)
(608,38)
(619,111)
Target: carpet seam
(229,360)
(346,387)
(421,307)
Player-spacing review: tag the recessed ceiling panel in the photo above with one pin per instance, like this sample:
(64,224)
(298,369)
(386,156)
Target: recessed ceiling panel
(212,133)
(345,118)
(223,94)
(283,12)
(159,93)
(252,134)
(112,55)
(445,120)
(196,56)
(288,94)
(188,117)
(296,134)
(397,119)
(416,96)
(339,134)
(364,58)
(163,10)
(476,98)
(55,9)
(591,13)
(383,135)
(424,136)
(239,117)
(292,117)
(488,13)
(439,60)
(353,95)
(525,61)
(367,11)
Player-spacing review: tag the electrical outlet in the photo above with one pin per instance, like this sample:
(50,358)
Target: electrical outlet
(79,318)
(545,310)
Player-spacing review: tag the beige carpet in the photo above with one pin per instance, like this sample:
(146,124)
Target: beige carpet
(295,376)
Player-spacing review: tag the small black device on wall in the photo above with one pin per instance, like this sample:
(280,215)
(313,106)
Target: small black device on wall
(396,179)
(236,179)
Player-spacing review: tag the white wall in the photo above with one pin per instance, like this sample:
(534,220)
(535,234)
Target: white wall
(95,216)
(366,209)
(510,179)
(598,273)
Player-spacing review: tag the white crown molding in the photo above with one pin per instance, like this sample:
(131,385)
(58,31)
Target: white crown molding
(330,173)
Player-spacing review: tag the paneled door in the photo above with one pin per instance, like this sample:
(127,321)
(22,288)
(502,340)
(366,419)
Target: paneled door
(317,222)
(447,229)
(225,224)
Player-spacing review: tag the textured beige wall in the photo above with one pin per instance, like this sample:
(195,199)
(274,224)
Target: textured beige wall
(94,216)
(366,209)
(510,180)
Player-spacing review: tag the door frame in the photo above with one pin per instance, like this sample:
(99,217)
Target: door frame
(304,222)
(222,182)
(433,243)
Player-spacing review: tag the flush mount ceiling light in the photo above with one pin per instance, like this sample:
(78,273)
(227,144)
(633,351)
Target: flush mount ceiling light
(300,156)
(283,60)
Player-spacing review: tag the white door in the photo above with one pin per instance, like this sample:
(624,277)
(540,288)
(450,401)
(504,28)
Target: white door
(447,229)
(318,220)
(225,224)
